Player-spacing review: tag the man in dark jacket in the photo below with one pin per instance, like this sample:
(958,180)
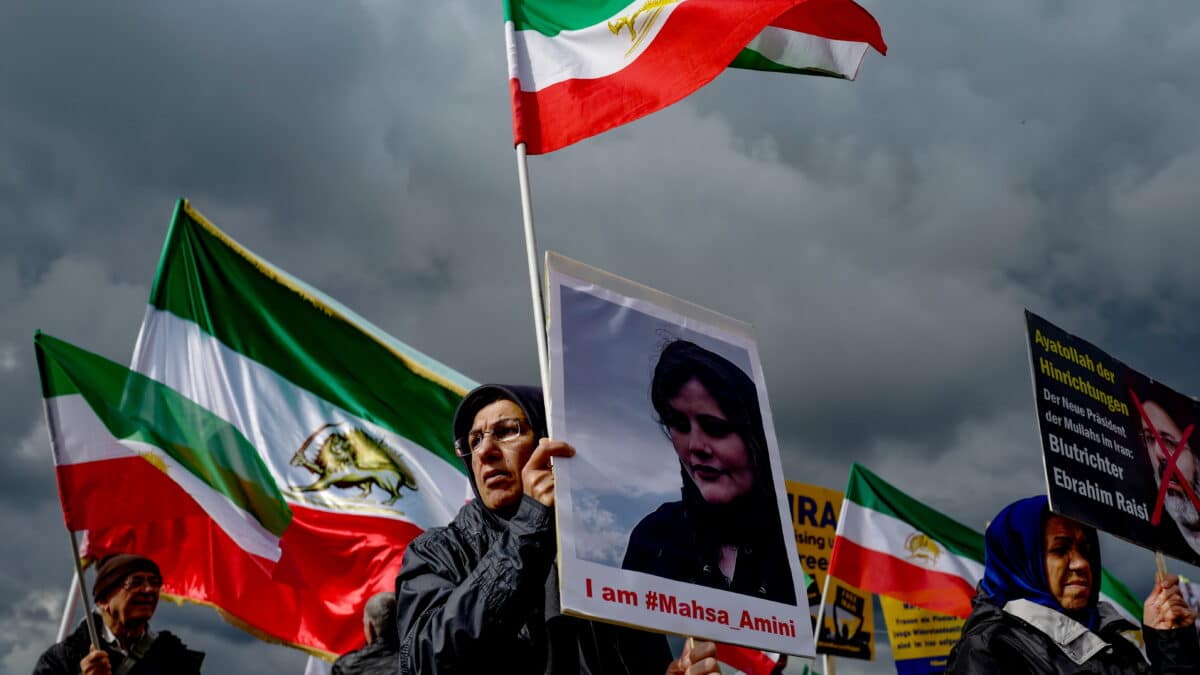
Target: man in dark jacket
(378,657)
(481,594)
(126,594)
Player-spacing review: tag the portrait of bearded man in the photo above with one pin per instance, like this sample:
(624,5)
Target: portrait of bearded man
(1168,416)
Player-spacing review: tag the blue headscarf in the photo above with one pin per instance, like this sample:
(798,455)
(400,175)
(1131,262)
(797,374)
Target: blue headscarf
(1015,560)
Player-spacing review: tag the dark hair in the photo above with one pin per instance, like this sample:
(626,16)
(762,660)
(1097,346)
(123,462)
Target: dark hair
(1181,409)
(735,393)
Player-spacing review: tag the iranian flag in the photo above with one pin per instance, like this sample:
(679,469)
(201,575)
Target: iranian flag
(1117,594)
(578,69)
(350,426)
(891,544)
(747,660)
(115,434)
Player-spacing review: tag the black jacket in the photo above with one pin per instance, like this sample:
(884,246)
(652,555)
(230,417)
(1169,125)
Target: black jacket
(377,658)
(481,595)
(676,543)
(995,641)
(167,656)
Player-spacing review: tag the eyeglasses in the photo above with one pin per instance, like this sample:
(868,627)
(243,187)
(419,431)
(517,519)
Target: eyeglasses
(138,580)
(504,431)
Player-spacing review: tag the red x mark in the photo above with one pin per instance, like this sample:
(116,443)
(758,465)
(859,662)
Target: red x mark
(1172,473)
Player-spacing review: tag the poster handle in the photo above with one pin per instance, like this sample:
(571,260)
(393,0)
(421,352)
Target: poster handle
(1160,567)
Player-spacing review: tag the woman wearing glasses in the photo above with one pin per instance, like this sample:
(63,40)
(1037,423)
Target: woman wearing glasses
(725,531)
(481,594)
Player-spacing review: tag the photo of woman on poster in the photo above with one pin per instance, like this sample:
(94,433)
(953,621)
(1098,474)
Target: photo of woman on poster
(724,532)
(672,516)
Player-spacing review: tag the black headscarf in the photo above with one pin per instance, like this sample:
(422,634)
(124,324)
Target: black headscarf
(528,399)
(737,397)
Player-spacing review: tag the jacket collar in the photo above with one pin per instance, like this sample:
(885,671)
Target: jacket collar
(1071,637)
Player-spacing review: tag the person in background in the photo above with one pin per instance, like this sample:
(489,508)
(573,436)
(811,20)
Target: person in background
(126,594)
(379,655)
(1038,609)
(481,595)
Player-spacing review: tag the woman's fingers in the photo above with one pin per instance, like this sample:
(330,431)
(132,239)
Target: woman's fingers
(537,476)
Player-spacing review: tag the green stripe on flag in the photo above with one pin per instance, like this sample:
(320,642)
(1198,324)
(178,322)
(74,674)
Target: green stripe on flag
(262,313)
(134,407)
(752,60)
(1119,593)
(870,491)
(550,17)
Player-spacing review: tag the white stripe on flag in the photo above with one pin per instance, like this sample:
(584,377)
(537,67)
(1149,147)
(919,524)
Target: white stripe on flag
(83,438)
(881,532)
(276,416)
(801,50)
(539,61)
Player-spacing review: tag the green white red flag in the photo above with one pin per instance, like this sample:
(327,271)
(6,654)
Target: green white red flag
(892,544)
(747,660)
(351,426)
(116,433)
(578,69)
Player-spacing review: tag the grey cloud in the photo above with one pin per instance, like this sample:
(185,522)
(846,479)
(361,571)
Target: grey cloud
(883,235)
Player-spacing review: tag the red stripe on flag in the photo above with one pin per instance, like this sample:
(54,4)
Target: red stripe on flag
(120,491)
(834,20)
(886,574)
(745,659)
(698,41)
(331,564)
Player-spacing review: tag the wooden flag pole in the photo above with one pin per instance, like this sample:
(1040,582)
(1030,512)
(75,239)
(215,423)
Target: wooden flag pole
(535,285)
(1160,566)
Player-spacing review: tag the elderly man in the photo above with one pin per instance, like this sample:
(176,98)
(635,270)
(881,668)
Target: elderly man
(126,594)
(481,595)
(378,657)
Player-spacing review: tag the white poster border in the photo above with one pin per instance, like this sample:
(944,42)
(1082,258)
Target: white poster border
(724,616)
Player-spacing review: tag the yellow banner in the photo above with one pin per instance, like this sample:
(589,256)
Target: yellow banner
(849,628)
(921,640)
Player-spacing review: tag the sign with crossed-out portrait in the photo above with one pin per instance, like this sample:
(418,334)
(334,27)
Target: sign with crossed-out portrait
(672,516)
(1118,446)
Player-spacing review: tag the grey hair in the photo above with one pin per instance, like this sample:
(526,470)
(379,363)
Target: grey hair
(380,612)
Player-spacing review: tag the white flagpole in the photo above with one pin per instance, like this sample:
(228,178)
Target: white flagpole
(88,618)
(70,606)
(316,666)
(535,285)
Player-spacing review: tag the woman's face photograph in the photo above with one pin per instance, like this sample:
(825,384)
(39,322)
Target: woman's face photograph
(712,453)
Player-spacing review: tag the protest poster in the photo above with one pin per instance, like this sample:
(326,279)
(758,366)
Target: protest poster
(849,628)
(672,514)
(1117,445)
(921,640)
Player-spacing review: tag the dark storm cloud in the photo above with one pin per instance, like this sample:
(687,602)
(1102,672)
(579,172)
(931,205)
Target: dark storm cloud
(883,236)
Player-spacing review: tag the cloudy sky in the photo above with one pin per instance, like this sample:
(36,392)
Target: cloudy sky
(883,236)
